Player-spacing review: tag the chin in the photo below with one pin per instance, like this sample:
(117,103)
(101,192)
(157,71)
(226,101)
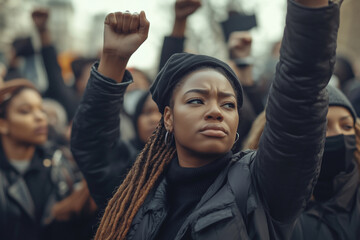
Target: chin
(39,141)
(213,149)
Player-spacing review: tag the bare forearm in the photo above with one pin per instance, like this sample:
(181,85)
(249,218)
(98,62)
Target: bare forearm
(313,3)
(179,28)
(45,38)
(113,67)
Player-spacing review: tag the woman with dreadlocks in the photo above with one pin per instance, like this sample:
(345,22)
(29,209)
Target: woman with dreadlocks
(186,183)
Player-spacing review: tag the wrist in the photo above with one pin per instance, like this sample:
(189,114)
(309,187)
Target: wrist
(179,28)
(313,3)
(45,38)
(113,66)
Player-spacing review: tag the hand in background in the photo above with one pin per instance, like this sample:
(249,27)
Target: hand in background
(239,44)
(40,18)
(183,9)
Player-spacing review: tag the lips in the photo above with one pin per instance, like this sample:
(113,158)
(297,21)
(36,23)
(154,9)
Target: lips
(213,130)
(41,130)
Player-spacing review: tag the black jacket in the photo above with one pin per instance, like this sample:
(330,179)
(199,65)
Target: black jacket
(337,218)
(282,172)
(26,199)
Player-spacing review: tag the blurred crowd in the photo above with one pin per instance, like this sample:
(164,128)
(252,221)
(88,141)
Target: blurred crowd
(43,194)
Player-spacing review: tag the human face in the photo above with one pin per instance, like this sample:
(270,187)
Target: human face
(148,119)
(25,120)
(340,121)
(204,117)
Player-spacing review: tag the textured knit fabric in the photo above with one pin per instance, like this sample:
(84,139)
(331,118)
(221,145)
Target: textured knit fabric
(186,186)
(337,98)
(177,67)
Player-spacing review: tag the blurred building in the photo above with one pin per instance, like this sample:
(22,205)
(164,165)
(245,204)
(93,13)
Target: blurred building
(61,18)
(349,32)
(95,35)
(15,20)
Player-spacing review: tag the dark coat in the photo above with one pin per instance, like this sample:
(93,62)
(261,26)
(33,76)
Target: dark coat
(57,88)
(282,172)
(26,199)
(337,218)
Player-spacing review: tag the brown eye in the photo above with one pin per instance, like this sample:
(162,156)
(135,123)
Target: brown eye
(229,105)
(347,127)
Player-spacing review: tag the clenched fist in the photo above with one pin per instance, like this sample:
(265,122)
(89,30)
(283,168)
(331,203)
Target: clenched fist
(123,34)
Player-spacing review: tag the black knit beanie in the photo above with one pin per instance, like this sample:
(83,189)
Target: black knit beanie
(337,98)
(177,67)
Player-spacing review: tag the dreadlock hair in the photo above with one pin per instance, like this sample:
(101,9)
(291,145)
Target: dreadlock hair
(132,193)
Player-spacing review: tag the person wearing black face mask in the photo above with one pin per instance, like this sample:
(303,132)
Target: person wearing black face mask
(334,212)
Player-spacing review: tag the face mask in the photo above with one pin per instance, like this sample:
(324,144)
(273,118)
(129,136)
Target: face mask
(338,157)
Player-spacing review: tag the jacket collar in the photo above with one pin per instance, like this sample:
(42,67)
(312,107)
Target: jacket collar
(17,188)
(36,161)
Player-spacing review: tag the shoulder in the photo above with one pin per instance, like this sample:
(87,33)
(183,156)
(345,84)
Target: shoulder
(243,158)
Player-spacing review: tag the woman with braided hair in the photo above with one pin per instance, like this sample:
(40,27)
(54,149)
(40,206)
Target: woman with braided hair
(187,183)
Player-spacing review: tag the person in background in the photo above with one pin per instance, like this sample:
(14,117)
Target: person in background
(34,176)
(344,73)
(334,210)
(187,183)
(81,68)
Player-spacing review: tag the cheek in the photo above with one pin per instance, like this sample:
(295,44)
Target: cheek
(233,120)
(21,123)
(140,124)
(21,127)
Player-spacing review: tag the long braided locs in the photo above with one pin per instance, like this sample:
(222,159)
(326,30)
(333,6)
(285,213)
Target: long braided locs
(131,194)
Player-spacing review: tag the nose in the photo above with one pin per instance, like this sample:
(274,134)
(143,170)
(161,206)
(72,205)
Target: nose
(214,112)
(40,116)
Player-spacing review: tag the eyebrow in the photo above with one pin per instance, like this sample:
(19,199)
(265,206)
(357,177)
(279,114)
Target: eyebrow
(344,118)
(206,92)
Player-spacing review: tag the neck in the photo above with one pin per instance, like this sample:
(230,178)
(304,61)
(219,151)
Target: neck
(191,159)
(16,150)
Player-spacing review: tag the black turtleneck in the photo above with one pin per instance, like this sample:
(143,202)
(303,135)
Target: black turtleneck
(185,188)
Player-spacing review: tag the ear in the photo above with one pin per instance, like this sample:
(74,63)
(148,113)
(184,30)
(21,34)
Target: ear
(168,119)
(4,127)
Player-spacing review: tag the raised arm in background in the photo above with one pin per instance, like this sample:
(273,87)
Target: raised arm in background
(57,88)
(175,42)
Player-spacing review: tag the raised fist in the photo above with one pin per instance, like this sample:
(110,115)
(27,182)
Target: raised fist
(124,33)
(239,44)
(40,18)
(184,8)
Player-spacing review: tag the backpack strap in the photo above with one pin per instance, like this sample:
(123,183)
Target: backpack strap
(239,179)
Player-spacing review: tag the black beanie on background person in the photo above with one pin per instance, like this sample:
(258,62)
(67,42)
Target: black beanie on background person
(338,156)
(337,98)
(179,65)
